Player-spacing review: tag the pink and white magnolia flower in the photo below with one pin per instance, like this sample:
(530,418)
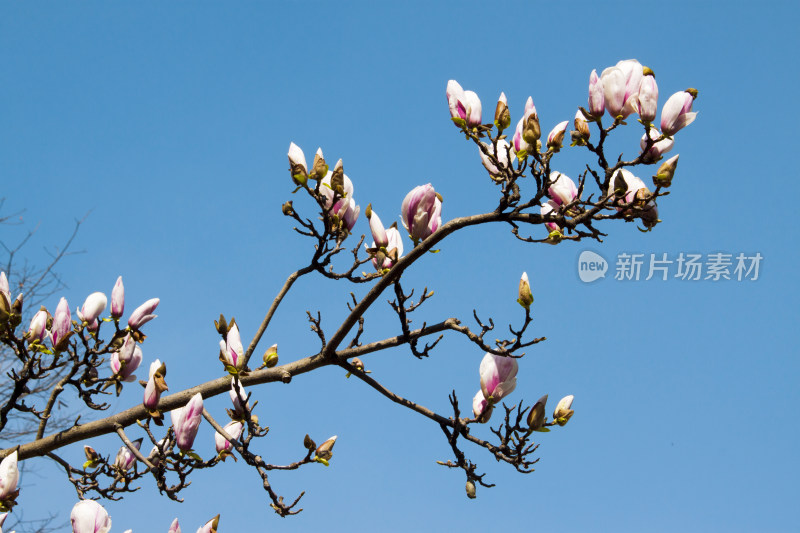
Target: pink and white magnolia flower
(502,157)
(38,327)
(143,314)
(498,376)
(421,212)
(88,516)
(94,305)
(562,189)
(62,323)
(9,476)
(464,105)
(556,136)
(481,407)
(388,243)
(327,191)
(233,429)
(4,289)
(125,457)
(152,391)
(118,299)
(647,104)
(633,184)
(125,361)
(658,149)
(174,527)
(186,422)
(677,112)
(347,211)
(379,236)
(621,87)
(231,349)
(517,141)
(3,517)
(550,207)
(597,102)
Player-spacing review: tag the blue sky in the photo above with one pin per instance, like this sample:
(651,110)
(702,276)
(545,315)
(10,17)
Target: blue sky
(169,124)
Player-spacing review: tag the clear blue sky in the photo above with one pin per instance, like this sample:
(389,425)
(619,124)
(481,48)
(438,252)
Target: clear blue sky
(170,123)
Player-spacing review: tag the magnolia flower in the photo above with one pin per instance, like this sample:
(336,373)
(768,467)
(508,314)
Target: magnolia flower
(38,327)
(4,289)
(118,299)
(562,189)
(551,207)
(125,457)
(186,422)
(62,324)
(658,149)
(387,247)
(327,191)
(582,132)
(501,156)
(525,298)
(597,103)
(464,105)
(325,450)
(381,240)
(677,112)
(9,476)
(347,211)
(88,516)
(210,526)
(231,349)
(627,187)
(94,305)
(666,172)
(174,527)
(234,430)
(155,454)
(621,87)
(481,408)
(647,104)
(143,314)
(519,143)
(421,212)
(155,385)
(124,362)
(536,417)
(556,137)
(498,376)
(502,118)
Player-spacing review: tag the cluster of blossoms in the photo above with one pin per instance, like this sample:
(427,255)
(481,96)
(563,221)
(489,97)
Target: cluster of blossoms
(498,379)
(420,212)
(622,90)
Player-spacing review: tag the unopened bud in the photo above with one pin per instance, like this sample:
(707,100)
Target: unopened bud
(16,307)
(337,179)
(536,416)
(287,208)
(582,131)
(221,325)
(325,450)
(471,490)
(531,132)
(525,295)
(309,443)
(666,172)
(92,457)
(693,92)
(563,411)
(271,356)
(320,168)
(357,364)
(502,117)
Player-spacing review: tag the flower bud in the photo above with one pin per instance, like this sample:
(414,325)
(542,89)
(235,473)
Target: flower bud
(231,349)
(647,104)
(297,165)
(564,411)
(582,132)
(596,95)
(562,189)
(9,477)
(237,391)
(556,137)
(88,516)
(4,289)
(118,299)
(271,356)
(551,208)
(320,168)
(666,172)
(501,156)
(421,212)
(471,490)
(525,296)
(377,229)
(325,450)
(677,112)
(186,422)
(94,305)
(498,376)
(38,327)
(465,106)
(125,361)
(536,416)
(143,314)
(531,132)
(174,527)
(234,430)
(155,454)
(155,385)
(658,149)
(210,526)
(125,457)
(92,457)
(481,408)
(502,117)
(62,325)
